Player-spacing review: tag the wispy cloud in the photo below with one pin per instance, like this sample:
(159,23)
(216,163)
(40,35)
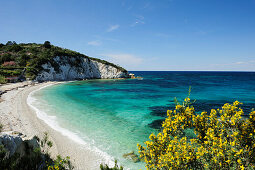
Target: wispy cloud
(251,62)
(248,65)
(124,59)
(146,5)
(139,20)
(95,43)
(113,27)
(128,7)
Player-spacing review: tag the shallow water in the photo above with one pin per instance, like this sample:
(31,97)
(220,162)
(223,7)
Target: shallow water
(115,115)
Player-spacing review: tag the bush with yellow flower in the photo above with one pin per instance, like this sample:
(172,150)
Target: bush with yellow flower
(224,139)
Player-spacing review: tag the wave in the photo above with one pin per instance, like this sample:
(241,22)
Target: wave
(52,122)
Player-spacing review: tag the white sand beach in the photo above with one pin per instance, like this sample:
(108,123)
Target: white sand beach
(17,115)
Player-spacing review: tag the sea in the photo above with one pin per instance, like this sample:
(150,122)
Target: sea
(112,116)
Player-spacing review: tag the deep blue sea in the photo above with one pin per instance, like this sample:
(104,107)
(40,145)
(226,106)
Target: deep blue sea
(115,115)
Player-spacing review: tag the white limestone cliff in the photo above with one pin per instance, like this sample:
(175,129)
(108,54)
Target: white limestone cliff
(15,142)
(78,68)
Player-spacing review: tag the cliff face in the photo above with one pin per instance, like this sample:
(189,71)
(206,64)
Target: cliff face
(77,68)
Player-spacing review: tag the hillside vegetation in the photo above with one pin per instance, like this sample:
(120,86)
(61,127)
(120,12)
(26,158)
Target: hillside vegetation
(15,57)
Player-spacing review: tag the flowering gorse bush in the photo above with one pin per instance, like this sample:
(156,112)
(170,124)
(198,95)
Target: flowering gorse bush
(224,140)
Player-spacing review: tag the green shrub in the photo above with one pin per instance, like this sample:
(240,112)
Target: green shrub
(2,79)
(6,57)
(60,163)
(106,167)
(39,158)
(224,140)
(10,73)
(47,44)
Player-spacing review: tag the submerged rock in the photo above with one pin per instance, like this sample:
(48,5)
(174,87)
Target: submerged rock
(156,124)
(132,156)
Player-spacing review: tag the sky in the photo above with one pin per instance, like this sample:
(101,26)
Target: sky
(163,35)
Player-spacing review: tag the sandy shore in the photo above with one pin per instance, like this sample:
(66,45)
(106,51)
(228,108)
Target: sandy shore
(17,115)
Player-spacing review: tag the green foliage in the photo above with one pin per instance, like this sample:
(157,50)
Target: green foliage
(2,79)
(33,56)
(61,163)
(106,167)
(11,43)
(6,57)
(15,48)
(10,73)
(223,139)
(22,59)
(45,144)
(47,44)
(1,127)
(38,158)
(33,159)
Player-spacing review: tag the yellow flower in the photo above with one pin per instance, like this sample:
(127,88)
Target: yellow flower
(187,99)
(178,107)
(216,138)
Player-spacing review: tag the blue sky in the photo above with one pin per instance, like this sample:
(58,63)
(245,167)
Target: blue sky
(140,34)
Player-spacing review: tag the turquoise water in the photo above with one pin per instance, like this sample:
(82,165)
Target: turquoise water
(115,115)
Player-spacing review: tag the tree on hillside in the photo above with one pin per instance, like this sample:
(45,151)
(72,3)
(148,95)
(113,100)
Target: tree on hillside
(5,57)
(15,47)
(10,43)
(47,44)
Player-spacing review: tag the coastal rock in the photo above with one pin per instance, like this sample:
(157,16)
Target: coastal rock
(78,68)
(15,142)
(131,156)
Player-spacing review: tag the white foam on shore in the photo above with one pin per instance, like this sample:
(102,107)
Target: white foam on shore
(51,121)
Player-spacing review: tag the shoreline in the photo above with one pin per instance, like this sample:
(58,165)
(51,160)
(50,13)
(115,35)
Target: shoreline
(17,114)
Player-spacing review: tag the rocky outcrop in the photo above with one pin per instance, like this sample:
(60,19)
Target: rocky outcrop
(131,156)
(17,143)
(78,68)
